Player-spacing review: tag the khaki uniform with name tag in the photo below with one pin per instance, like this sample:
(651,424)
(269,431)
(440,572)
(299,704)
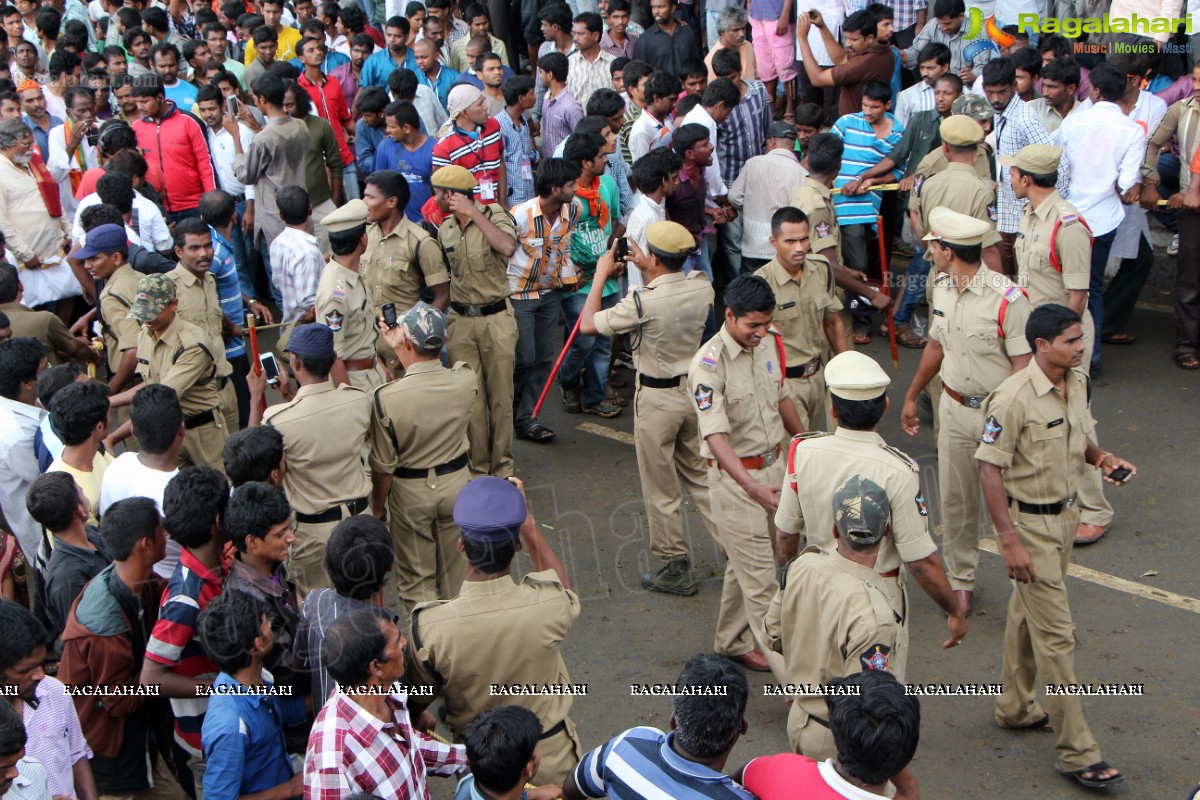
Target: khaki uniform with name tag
(344,304)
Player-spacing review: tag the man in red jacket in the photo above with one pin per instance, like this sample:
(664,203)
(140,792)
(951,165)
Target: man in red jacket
(173,140)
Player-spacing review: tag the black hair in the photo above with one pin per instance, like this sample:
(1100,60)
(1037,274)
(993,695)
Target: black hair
(583,147)
(252,454)
(500,744)
(1056,44)
(825,154)
(156,416)
(862,23)
(391,184)
(722,90)
(1048,321)
(662,84)
(217,208)
(5,322)
(592,124)
(22,635)
(709,725)
(726,62)
(558,15)
(210,93)
(63,62)
(264,34)
(473,10)
(253,510)
(618,65)
(634,71)
(126,522)
(489,558)
(48,22)
(413,8)
(555,63)
(228,627)
(485,57)
(132,35)
(306,40)
(300,98)
(193,503)
(164,48)
(789,215)
(1109,81)
(116,189)
(294,207)
(192,226)
(517,87)
(93,217)
(953,79)
(12,729)
(363,42)
(1131,64)
(1027,59)
(352,18)
(403,84)
(129,18)
(809,115)
(1062,70)
(605,103)
(592,20)
(343,243)
(53,380)
(148,86)
(747,294)
(618,5)
(319,366)
(155,18)
(399,23)
(875,730)
(878,91)
(652,169)
(20,358)
(935,51)
(77,410)
(351,643)
(372,99)
(553,173)
(404,112)
(1044,180)
(685,104)
(358,555)
(859,415)
(52,500)
(967,253)
(999,72)
(948,8)
(687,137)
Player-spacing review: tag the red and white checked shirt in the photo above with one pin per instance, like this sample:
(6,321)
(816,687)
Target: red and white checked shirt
(350,751)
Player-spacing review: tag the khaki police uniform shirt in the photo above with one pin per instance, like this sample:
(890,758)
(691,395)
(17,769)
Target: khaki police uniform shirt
(737,392)
(200,305)
(480,274)
(45,326)
(958,188)
(1073,245)
(831,617)
(816,202)
(323,432)
(668,317)
(820,462)
(397,265)
(420,421)
(967,326)
(344,304)
(935,161)
(495,631)
(120,332)
(1037,435)
(180,358)
(801,306)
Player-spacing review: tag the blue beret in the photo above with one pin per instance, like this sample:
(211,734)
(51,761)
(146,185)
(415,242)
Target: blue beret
(491,510)
(313,339)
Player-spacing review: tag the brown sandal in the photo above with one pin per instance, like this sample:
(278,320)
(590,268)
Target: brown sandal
(905,337)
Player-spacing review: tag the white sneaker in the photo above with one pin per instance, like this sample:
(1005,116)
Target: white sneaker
(1173,247)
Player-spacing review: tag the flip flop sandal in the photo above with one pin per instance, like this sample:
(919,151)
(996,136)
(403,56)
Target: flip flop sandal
(906,338)
(1094,770)
(537,433)
(1119,338)
(615,380)
(862,338)
(1187,361)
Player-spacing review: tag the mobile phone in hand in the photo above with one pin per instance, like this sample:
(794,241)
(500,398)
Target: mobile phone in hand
(270,366)
(622,252)
(232,106)
(389,315)
(1120,474)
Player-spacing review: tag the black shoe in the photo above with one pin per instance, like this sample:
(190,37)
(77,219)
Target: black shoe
(674,578)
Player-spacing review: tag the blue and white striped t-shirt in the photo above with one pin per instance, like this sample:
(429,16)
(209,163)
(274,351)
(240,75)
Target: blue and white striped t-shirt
(863,151)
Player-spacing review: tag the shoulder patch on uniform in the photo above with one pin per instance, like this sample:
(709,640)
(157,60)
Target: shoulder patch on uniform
(334,320)
(1012,293)
(704,397)
(908,460)
(991,430)
(1068,218)
(991,210)
(876,657)
(709,359)
(822,230)
(922,509)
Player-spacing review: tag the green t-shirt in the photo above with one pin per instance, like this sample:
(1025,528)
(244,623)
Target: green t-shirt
(589,240)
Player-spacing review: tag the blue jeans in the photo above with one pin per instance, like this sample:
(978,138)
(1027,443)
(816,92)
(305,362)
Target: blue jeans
(1101,247)
(914,286)
(710,26)
(592,352)
(188,213)
(243,252)
(350,183)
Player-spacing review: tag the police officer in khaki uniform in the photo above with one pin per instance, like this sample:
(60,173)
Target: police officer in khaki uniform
(478,241)
(104,256)
(45,326)
(199,304)
(1053,251)
(1034,450)
(324,428)
(976,326)
(819,463)
(344,302)
(419,456)
(736,382)
(498,631)
(174,352)
(806,312)
(832,616)
(980,110)
(401,258)
(666,318)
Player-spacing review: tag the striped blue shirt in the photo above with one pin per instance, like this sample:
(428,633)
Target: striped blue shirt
(520,159)
(863,151)
(229,291)
(640,765)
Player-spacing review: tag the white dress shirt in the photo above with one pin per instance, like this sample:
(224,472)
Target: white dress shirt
(918,97)
(151,233)
(220,142)
(18,471)
(765,185)
(645,213)
(60,163)
(1105,150)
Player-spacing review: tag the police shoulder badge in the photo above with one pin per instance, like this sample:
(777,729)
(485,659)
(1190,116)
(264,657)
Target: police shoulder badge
(704,397)
(991,429)
(822,230)
(922,509)
(334,320)
(876,657)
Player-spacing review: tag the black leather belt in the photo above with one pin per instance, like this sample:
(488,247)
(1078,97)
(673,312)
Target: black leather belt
(554,730)
(804,370)
(334,513)
(1045,509)
(239,198)
(479,311)
(659,383)
(819,721)
(222,382)
(441,469)
(196,420)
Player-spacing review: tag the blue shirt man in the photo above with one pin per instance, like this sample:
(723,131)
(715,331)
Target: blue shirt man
(229,290)
(416,166)
(380,64)
(41,137)
(183,94)
(442,83)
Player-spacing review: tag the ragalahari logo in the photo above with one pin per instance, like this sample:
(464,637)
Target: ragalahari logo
(996,40)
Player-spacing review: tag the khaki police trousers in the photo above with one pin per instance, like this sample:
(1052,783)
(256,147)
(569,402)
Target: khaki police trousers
(808,396)
(807,736)
(202,446)
(1039,640)
(368,380)
(958,480)
(1094,507)
(745,531)
(306,567)
(421,520)
(666,435)
(229,407)
(489,346)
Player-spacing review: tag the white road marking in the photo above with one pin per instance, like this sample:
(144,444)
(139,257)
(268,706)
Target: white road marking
(1180,601)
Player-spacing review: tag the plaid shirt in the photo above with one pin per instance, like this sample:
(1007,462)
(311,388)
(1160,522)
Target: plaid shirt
(528,279)
(1017,127)
(615,50)
(560,115)
(296,266)
(740,137)
(519,156)
(906,12)
(351,751)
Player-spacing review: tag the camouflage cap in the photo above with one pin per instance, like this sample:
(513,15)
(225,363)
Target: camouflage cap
(973,106)
(154,294)
(424,326)
(959,130)
(861,510)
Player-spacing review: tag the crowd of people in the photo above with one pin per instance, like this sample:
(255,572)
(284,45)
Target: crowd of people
(303,550)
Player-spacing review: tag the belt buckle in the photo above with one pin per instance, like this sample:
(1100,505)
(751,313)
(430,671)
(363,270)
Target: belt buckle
(1070,501)
(474,311)
(770,457)
(811,368)
(973,401)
